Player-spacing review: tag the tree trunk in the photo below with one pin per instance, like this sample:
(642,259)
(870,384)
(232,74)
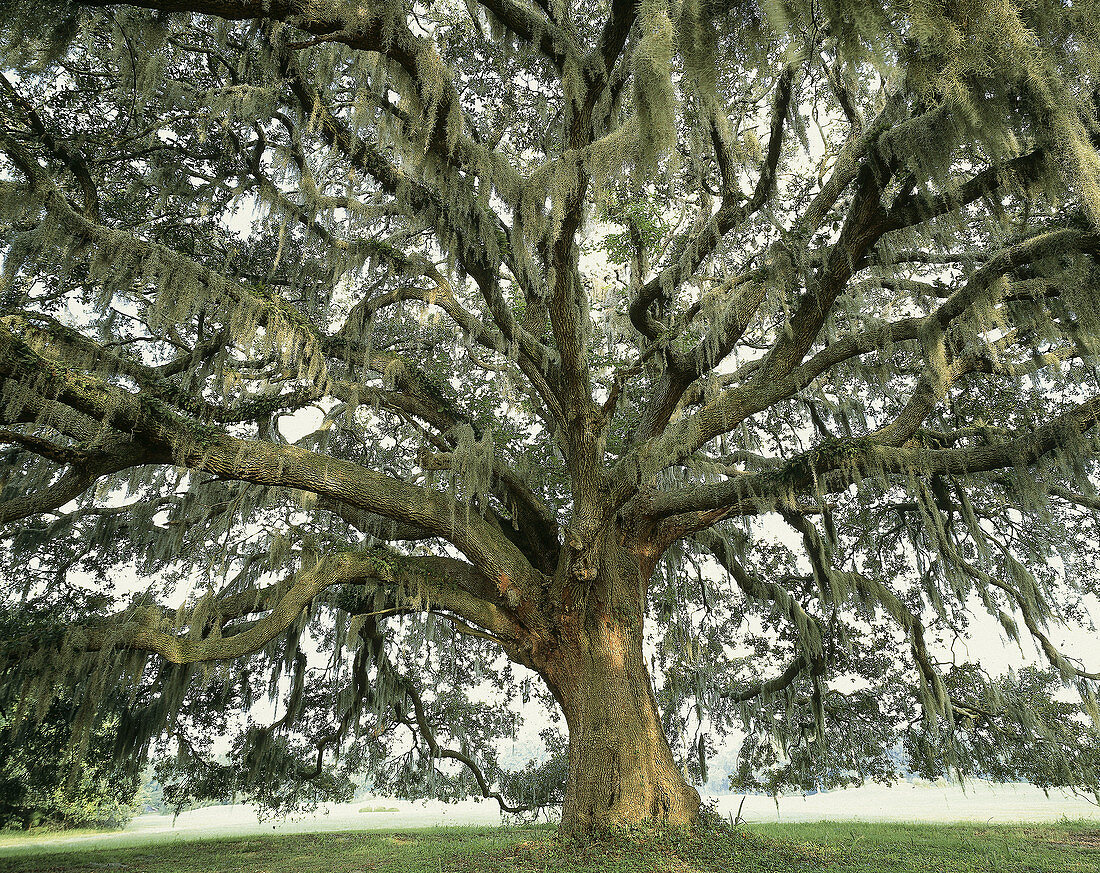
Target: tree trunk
(621,769)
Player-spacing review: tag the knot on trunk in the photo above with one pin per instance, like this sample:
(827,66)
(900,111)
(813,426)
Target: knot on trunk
(584,565)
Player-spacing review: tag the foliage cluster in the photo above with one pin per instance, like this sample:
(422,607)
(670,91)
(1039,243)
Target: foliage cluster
(47,782)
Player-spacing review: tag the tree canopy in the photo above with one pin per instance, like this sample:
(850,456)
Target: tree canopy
(697,368)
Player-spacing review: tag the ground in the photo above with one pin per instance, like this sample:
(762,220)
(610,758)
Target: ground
(1065,847)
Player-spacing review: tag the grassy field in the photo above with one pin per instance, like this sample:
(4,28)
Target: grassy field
(1066,847)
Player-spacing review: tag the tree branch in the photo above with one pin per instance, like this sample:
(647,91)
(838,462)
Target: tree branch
(832,467)
(694,247)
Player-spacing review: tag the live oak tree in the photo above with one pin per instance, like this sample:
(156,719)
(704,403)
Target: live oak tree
(726,365)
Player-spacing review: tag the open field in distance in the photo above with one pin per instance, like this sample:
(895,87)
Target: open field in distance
(840,830)
(904,802)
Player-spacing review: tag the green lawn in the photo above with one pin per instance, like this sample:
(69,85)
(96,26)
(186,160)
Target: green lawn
(829,846)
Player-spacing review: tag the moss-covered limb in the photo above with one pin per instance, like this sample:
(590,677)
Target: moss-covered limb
(942,370)
(64,152)
(455,588)
(799,667)
(479,538)
(726,330)
(148,629)
(746,396)
(1021,170)
(683,371)
(940,374)
(530,524)
(412,390)
(557,40)
(569,321)
(69,486)
(72,348)
(839,585)
(568,304)
(1083,500)
(761,388)
(841,85)
(169,438)
(692,248)
(78,405)
(385,582)
(478,249)
(874,338)
(202,352)
(293,467)
(931,388)
(863,226)
(885,255)
(1044,243)
(45,416)
(353,250)
(87,408)
(811,662)
(833,466)
(213,630)
(24,162)
(45,448)
(573,175)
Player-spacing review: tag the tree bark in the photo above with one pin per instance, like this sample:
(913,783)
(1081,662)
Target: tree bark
(621,769)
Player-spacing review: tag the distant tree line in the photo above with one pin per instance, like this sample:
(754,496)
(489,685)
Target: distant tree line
(46,781)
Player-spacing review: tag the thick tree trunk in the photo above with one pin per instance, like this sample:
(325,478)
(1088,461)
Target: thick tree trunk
(621,769)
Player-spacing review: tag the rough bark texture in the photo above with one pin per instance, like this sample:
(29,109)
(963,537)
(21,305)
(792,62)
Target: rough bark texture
(621,769)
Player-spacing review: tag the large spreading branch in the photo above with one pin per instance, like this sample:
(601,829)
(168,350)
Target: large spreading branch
(832,467)
(173,439)
(781,373)
(691,249)
(237,625)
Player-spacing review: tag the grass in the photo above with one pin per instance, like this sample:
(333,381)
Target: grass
(1066,847)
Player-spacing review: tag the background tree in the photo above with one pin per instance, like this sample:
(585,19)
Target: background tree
(716,362)
(46,779)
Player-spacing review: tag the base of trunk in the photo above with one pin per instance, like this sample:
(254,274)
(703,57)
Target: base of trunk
(633,790)
(621,769)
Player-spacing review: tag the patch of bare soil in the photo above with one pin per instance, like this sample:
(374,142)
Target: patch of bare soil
(1088,841)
